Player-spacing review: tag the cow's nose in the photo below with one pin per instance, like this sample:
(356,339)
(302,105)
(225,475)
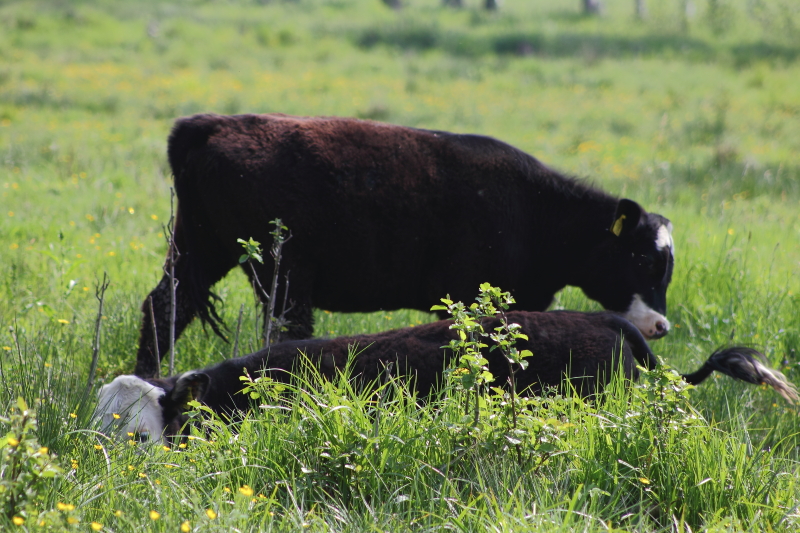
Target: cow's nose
(662,328)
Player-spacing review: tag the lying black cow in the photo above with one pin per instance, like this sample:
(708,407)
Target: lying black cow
(584,347)
(389,217)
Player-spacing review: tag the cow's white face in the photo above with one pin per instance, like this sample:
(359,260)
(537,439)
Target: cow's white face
(652,324)
(664,238)
(131,405)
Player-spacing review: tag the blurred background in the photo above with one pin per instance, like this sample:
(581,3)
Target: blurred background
(688,106)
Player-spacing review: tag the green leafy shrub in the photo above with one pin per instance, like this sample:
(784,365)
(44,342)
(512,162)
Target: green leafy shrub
(26,468)
(496,419)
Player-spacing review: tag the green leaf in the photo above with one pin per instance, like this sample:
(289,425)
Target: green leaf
(547,447)
(467,381)
(21,404)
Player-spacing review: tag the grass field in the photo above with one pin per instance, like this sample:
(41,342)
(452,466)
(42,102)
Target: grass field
(698,121)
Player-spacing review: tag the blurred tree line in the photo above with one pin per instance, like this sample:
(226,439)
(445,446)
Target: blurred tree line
(778,18)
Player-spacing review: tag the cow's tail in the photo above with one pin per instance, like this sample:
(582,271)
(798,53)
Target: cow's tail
(746,364)
(188,157)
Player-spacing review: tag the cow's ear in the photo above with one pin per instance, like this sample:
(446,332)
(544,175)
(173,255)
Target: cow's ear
(627,217)
(190,386)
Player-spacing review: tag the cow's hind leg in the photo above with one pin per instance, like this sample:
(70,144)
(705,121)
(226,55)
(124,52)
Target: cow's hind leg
(147,363)
(196,273)
(299,318)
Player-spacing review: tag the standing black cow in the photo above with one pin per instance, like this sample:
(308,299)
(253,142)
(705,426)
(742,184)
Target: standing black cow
(389,217)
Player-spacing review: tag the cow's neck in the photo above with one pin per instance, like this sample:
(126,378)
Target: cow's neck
(582,225)
(223,394)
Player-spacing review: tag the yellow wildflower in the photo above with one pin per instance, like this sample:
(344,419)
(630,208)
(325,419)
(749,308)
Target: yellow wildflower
(154,515)
(211,514)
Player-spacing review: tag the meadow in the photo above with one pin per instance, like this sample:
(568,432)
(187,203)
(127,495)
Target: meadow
(697,119)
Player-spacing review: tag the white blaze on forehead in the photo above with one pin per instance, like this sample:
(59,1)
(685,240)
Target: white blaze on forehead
(664,238)
(645,319)
(131,404)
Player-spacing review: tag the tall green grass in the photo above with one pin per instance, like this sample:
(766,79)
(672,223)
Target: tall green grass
(323,455)
(698,123)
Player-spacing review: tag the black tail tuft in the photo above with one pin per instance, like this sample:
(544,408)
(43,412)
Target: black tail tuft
(747,364)
(207,312)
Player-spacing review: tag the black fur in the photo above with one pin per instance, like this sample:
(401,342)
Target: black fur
(583,347)
(388,217)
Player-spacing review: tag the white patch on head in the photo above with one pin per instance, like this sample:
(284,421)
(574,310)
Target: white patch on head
(652,324)
(664,238)
(130,405)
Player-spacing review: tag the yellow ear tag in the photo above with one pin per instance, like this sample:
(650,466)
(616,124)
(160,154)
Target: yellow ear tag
(616,229)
